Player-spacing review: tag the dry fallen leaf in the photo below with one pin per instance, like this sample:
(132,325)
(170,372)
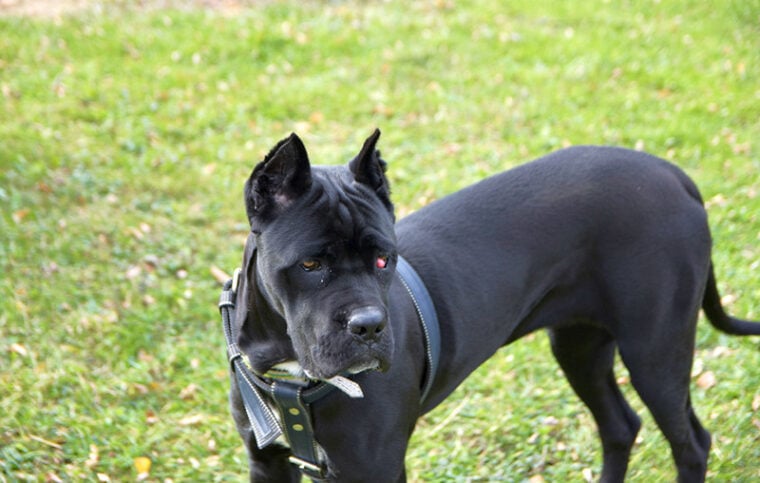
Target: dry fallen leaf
(93,458)
(151,262)
(188,392)
(19,215)
(706,380)
(191,420)
(550,421)
(136,234)
(133,272)
(219,274)
(150,417)
(717,200)
(728,299)
(140,388)
(145,356)
(721,351)
(18,349)
(697,367)
(208,169)
(142,465)
(316,117)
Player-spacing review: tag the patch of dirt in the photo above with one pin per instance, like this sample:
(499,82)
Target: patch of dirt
(42,8)
(58,8)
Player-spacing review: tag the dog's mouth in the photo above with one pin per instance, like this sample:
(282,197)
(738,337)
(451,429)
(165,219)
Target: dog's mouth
(332,355)
(292,370)
(327,371)
(369,366)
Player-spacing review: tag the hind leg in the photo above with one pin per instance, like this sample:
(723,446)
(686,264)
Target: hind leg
(660,365)
(586,355)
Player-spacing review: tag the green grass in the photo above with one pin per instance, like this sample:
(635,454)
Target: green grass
(126,136)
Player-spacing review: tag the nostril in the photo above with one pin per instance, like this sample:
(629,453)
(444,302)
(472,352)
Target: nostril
(367,322)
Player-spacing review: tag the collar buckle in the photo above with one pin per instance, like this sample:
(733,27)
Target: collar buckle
(308,468)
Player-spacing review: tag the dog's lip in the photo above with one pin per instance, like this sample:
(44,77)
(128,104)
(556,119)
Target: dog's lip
(372,365)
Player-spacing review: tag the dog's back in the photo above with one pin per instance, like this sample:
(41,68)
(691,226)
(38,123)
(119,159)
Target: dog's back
(577,213)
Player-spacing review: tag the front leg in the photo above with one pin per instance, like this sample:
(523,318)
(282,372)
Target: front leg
(270,464)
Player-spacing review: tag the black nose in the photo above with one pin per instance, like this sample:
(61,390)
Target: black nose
(367,322)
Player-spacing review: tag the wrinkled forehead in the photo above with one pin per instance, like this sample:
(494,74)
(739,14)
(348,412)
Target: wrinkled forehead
(336,214)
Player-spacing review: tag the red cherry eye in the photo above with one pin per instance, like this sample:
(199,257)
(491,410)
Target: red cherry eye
(381,262)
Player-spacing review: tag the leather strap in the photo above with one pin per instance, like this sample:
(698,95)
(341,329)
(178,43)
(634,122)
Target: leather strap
(263,421)
(296,422)
(423,303)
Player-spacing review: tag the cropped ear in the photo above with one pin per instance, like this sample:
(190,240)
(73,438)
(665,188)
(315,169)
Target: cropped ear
(277,181)
(368,168)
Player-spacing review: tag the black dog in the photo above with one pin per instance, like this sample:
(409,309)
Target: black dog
(606,248)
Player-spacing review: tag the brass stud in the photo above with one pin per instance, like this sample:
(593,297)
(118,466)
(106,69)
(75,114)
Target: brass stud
(297,427)
(294,411)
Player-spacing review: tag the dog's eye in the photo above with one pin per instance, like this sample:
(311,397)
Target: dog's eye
(311,265)
(381,262)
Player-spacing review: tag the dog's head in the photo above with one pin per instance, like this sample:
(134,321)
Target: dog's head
(315,287)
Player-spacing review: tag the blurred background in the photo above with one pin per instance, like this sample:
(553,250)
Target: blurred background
(127,130)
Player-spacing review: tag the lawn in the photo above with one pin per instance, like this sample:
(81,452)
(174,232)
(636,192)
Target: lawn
(126,135)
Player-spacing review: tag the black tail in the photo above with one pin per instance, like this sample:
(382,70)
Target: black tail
(718,317)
